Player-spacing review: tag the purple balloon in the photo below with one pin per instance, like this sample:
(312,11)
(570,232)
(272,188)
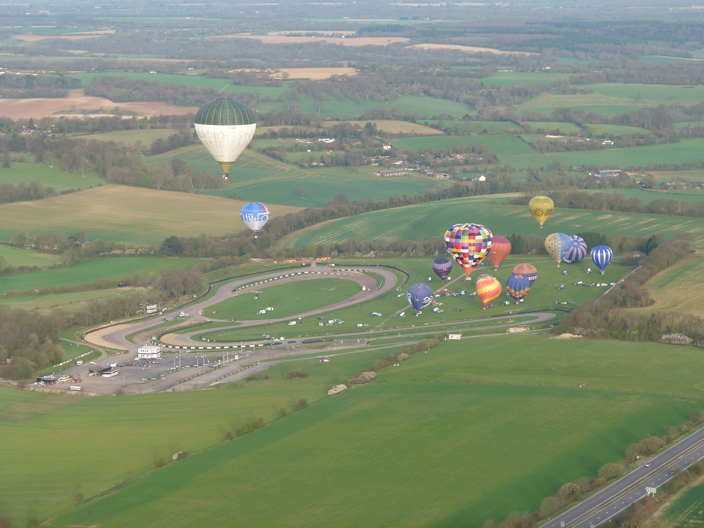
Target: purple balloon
(442,267)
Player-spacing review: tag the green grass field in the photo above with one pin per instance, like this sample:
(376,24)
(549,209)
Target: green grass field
(127,214)
(390,127)
(501,143)
(69,302)
(482,441)
(424,107)
(659,93)
(286,299)
(546,103)
(197,81)
(131,137)
(617,130)
(422,221)
(674,153)
(60,180)
(24,257)
(514,78)
(261,178)
(68,444)
(687,510)
(93,271)
(487,127)
(555,126)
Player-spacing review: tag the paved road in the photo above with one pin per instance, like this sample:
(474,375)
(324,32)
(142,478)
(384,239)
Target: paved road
(631,488)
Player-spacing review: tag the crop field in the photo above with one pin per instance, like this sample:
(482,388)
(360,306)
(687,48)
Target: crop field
(131,137)
(484,127)
(426,107)
(617,130)
(563,128)
(68,302)
(514,78)
(685,175)
(93,271)
(314,74)
(23,257)
(687,510)
(660,93)
(197,81)
(127,214)
(78,105)
(391,127)
(544,295)
(483,442)
(546,103)
(678,289)
(60,180)
(285,39)
(500,143)
(419,222)
(469,49)
(260,178)
(675,153)
(286,299)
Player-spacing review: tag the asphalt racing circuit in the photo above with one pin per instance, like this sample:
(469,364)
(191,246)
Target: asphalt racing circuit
(191,364)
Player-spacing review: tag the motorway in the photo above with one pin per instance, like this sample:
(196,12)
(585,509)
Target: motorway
(626,491)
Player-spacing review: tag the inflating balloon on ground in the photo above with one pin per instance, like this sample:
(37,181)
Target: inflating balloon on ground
(488,289)
(557,245)
(442,267)
(517,286)
(577,250)
(419,295)
(527,270)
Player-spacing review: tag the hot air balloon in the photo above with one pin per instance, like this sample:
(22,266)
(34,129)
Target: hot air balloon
(557,245)
(488,289)
(420,295)
(527,270)
(255,215)
(577,250)
(541,207)
(500,249)
(601,256)
(517,286)
(442,267)
(468,244)
(225,127)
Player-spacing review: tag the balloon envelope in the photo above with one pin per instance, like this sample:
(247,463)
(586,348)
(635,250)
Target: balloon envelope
(468,244)
(577,250)
(442,267)
(500,249)
(225,127)
(527,270)
(557,245)
(488,288)
(255,215)
(601,256)
(419,295)
(541,207)
(517,286)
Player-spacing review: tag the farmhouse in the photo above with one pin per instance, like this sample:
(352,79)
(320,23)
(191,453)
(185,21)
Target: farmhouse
(149,352)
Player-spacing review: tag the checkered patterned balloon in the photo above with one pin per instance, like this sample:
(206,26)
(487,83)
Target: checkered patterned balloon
(468,244)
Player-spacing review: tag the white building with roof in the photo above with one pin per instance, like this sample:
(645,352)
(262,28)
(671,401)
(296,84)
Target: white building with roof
(149,352)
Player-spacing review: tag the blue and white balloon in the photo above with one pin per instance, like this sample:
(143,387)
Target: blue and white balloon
(420,295)
(255,215)
(601,256)
(577,250)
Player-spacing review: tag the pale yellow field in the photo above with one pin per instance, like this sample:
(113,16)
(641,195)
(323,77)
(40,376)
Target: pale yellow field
(67,36)
(392,127)
(73,106)
(264,130)
(470,49)
(678,289)
(314,74)
(331,32)
(283,39)
(128,214)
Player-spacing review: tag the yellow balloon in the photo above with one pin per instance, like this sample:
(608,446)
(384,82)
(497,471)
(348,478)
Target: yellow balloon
(541,208)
